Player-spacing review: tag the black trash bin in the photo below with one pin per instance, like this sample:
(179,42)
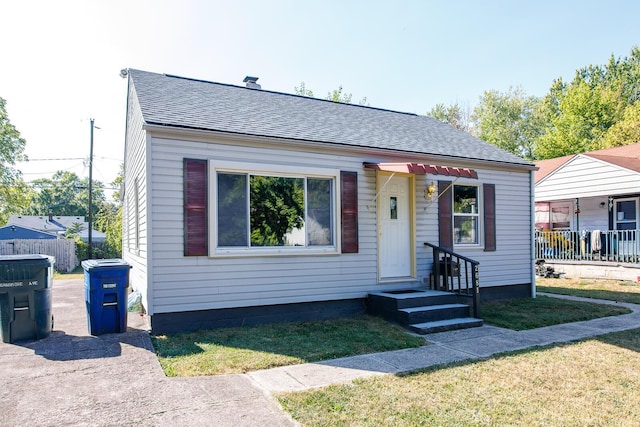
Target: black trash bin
(105,288)
(25,297)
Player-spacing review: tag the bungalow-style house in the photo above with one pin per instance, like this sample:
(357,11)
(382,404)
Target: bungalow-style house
(56,225)
(11,232)
(243,205)
(586,210)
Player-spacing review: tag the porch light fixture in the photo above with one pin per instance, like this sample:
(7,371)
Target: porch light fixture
(430,191)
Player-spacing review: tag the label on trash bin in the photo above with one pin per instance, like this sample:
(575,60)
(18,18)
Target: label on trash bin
(109,285)
(18,284)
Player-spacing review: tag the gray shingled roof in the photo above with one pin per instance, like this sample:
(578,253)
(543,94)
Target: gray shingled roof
(181,102)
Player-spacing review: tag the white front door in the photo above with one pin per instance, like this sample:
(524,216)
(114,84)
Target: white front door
(394,228)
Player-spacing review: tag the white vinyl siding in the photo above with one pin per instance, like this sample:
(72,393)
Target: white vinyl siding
(583,177)
(198,283)
(134,215)
(511,262)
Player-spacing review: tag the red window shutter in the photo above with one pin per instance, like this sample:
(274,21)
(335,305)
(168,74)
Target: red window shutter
(489,195)
(445,214)
(349,211)
(195,207)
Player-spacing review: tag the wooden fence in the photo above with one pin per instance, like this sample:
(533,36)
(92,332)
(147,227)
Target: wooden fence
(64,250)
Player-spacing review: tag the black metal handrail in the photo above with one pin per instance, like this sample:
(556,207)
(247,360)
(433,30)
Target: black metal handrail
(449,268)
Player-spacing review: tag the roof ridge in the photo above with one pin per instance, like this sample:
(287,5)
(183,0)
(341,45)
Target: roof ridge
(294,95)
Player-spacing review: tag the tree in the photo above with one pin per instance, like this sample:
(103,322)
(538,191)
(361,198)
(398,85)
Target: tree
(302,90)
(625,131)
(65,194)
(13,191)
(109,221)
(511,121)
(336,95)
(586,112)
(597,109)
(454,115)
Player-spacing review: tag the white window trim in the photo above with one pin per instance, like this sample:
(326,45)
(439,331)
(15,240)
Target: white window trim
(623,221)
(285,170)
(562,204)
(479,215)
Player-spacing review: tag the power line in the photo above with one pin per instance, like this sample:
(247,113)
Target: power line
(52,159)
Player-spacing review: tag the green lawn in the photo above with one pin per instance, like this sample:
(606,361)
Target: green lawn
(236,350)
(529,313)
(77,273)
(595,382)
(614,290)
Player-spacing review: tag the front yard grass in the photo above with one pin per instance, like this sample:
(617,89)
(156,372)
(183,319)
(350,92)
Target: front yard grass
(238,350)
(594,382)
(530,313)
(614,290)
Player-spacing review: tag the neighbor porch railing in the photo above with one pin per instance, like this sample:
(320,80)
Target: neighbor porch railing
(456,273)
(621,246)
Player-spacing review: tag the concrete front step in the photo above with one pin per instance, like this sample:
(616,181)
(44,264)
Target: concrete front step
(431,313)
(445,325)
(390,301)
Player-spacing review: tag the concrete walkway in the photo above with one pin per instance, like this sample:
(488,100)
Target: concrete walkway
(447,347)
(72,378)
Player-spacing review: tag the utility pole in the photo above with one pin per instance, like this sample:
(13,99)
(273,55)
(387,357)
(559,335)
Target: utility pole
(90,249)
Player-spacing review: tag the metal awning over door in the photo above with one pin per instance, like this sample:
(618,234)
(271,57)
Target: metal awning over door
(423,169)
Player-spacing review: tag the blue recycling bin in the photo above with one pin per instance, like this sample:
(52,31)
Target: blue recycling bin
(25,297)
(105,288)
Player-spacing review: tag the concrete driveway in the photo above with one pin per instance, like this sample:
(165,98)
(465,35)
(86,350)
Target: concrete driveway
(73,378)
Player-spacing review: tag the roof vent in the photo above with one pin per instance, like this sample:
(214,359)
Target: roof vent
(251,82)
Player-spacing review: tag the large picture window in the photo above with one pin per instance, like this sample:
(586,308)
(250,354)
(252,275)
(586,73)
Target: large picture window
(262,210)
(465,215)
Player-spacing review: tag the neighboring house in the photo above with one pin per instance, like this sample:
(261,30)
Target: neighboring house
(10,232)
(245,205)
(56,225)
(587,206)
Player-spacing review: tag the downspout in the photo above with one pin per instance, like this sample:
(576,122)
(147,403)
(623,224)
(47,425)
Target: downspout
(532,204)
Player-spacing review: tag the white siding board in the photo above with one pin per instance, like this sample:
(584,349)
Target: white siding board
(197,283)
(584,176)
(135,161)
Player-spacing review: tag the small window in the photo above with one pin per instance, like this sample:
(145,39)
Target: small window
(560,217)
(465,215)
(393,206)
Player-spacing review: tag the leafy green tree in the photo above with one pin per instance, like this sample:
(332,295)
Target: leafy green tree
(302,90)
(65,194)
(625,131)
(511,121)
(109,221)
(453,114)
(74,230)
(336,95)
(586,114)
(597,109)
(13,191)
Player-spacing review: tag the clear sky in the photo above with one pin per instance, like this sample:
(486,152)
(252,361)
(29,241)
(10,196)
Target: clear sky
(60,60)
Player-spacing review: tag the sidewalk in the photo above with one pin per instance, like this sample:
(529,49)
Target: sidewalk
(72,378)
(446,347)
